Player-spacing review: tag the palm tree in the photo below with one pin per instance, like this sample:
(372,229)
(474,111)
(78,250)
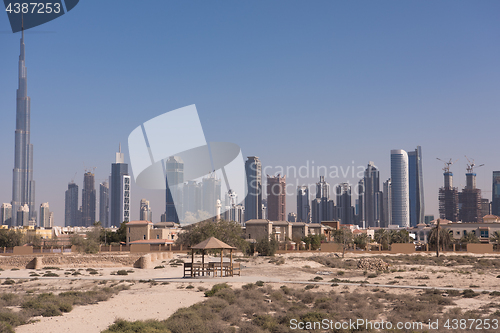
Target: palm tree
(362,241)
(400,236)
(382,237)
(495,239)
(469,237)
(444,237)
(344,237)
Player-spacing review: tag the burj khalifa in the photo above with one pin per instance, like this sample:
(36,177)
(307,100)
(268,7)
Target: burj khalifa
(23,185)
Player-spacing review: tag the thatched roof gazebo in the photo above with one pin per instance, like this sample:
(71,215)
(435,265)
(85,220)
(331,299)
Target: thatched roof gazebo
(211,243)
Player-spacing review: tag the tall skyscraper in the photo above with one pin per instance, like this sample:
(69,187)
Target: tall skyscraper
(303,207)
(469,200)
(88,200)
(211,189)
(145,211)
(360,210)
(51,220)
(104,204)
(345,210)
(45,215)
(71,206)
(276,198)
(6,214)
(371,187)
(495,194)
(387,204)
(400,188)
(120,191)
(316,210)
(323,193)
(253,200)
(192,195)
(448,197)
(23,185)
(416,187)
(174,180)
(23,215)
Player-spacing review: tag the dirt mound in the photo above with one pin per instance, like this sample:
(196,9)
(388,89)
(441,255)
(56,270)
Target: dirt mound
(372,264)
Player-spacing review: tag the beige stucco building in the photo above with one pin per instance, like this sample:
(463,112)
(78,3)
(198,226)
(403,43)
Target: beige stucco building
(147,232)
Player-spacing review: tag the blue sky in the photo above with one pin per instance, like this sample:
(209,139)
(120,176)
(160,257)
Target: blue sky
(289,81)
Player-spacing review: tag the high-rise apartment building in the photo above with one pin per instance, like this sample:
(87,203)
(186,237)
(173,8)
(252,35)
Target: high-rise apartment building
(145,213)
(416,187)
(173,197)
(323,193)
(119,207)
(104,203)
(400,188)
(359,207)
(6,214)
(316,209)
(71,215)
(23,185)
(276,198)
(292,217)
(23,215)
(45,215)
(253,200)
(495,194)
(192,195)
(88,200)
(211,190)
(303,207)
(345,210)
(371,188)
(387,204)
(51,220)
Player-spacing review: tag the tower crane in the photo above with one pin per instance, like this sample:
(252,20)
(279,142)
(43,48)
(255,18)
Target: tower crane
(471,165)
(446,164)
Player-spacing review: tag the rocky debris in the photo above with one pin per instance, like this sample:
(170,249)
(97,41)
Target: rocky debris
(372,264)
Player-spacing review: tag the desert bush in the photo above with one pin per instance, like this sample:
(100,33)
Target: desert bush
(9,281)
(259,283)
(6,328)
(226,294)
(266,322)
(248,286)
(122,272)
(285,289)
(10,299)
(186,320)
(149,326)
(469,293)
(12,319)
(215,289)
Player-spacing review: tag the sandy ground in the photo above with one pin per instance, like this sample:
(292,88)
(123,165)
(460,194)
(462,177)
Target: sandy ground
(158,302)
(145,301)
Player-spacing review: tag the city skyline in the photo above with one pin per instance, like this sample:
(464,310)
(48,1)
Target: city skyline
(347,73)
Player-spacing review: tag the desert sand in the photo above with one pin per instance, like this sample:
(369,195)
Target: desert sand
(159,300)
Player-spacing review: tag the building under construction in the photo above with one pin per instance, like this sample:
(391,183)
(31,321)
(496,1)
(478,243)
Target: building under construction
(470,198)
(448,198)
